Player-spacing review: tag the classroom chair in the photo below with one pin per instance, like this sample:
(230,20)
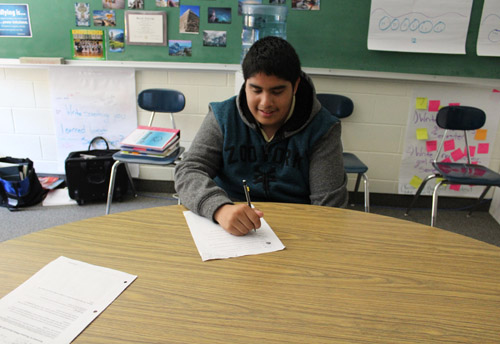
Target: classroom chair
(341,107)
(154,100)
(464,119)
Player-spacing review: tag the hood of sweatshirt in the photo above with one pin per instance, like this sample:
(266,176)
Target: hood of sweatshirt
(306,107)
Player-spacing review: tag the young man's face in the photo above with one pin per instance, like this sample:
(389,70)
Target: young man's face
(269,99)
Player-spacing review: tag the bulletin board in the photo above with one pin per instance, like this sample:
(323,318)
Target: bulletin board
(334,37)
(423,136)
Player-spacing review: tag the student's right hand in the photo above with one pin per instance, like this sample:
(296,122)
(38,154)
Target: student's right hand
(238,219)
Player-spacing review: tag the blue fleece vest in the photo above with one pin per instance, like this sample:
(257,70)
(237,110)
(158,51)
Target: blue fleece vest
(275,171)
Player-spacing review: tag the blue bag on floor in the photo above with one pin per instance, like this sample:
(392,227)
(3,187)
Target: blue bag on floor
(19,184)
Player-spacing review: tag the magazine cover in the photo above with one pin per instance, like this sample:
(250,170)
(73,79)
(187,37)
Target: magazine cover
(88,44)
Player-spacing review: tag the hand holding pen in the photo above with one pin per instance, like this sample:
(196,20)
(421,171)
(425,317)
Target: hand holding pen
(239,219)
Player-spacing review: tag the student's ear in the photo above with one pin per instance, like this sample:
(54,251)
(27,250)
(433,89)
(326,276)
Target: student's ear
(296,86)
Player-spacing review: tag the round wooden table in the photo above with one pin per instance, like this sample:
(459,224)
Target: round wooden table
(345,276)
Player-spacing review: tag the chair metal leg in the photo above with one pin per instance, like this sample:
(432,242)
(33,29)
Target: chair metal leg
(419,191)
(112,185)
(358,180)
(435,203)
(131,182)
(356,187)
(485,191)
(367,193)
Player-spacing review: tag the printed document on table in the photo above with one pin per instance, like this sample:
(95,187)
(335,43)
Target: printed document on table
(213,242)
(59,301)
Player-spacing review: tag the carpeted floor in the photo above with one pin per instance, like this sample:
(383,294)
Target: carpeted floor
(480,226)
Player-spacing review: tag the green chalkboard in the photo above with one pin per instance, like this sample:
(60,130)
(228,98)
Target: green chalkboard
(334,37)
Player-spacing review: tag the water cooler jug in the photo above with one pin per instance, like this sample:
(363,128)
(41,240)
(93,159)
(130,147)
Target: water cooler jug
(260,21)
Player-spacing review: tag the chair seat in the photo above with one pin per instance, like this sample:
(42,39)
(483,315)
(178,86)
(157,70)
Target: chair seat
(467,174)
(141,159)
(353,165)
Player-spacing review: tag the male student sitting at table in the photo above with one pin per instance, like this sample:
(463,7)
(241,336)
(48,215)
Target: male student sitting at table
(274,134)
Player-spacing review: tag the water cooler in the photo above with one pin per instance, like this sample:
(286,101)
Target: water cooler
(260,21)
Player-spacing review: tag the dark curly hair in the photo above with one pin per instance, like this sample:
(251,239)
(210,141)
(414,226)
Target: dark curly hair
(272,56)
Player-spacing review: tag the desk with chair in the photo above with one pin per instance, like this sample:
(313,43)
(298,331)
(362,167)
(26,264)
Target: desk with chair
(463,119)
(154,100)
(345,276)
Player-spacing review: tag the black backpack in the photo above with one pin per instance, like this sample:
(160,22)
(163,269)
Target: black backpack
(19,184)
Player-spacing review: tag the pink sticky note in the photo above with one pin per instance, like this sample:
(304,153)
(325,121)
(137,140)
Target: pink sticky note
(472,150)
(454,104)
(431,145)
(434,105)
(446,160)
(455,187)
(496,91)
(449,145)
(457,154)
(483,148)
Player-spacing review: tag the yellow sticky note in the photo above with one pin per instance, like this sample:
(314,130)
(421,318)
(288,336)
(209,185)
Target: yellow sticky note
(415,182)
(438,180)
(422,134)
(421,103)
(481,134)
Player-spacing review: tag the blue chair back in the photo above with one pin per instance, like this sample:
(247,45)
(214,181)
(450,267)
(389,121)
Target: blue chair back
(460,118)
(161,100)
(339,106)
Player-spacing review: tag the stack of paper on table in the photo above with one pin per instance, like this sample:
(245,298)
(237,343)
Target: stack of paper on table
(213,242)
(58,302)
(151,142)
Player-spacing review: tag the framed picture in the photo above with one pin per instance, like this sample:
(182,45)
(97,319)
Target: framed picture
(146,28)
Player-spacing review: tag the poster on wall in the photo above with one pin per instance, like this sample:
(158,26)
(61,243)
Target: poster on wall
(15,21)
(488,39)
(423,137)
(420,26)
(91,102)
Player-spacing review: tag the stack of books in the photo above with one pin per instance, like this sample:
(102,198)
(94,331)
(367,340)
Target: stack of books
(151,142)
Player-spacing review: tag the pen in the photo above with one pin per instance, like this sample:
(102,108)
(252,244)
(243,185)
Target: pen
(247,194)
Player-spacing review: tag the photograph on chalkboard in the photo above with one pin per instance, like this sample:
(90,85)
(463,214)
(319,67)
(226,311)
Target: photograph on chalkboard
(306,5)
(104,18)
(214,38)
(179,48)
(116,39)
(146,28)
(82,14)
(167,3)
(88,44)
(219,15)
(136,4)
(113,4)
(189,20)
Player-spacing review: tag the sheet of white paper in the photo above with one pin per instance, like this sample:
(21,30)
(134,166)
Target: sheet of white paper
(423,26)
(488,39)
(213,242)
(59,301)
(58,197)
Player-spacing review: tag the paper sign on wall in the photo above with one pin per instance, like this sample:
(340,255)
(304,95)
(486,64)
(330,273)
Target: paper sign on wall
(425,26)
(488,39)
(88,103)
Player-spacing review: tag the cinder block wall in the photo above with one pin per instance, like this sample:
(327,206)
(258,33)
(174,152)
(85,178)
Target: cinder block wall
(375,131)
